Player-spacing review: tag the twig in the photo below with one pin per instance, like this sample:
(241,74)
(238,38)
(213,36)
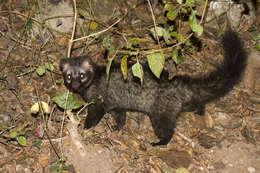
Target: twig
(204,11)
(40,106)
(59,16)
(9,128)
(73,30)
(154,24)
(63,119)
(68,55)
(156,50)
(52,110)
(84,107)
(54,148)
(45,124)
(20,14)
(184,137)
(100,32)
(55,140)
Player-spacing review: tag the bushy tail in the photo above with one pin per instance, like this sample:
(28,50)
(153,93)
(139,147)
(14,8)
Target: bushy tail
(226,75)
(229,72)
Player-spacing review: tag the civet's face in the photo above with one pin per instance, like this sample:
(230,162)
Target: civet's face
(77,72)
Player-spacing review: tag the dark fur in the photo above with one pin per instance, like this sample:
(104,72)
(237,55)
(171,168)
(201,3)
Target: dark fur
(162,100)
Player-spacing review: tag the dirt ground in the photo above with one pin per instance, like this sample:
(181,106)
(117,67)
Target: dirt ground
(36,34)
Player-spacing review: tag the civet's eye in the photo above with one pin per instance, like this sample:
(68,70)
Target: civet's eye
(81,75)
(68,76)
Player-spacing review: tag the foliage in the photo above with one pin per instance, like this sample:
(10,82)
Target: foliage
(176,13)
(111,48)
(107,44)
(19,137)
(156,63)
(182,170)
(255,36)
(59,167)
(108,66)
(41,70)
(124,66)
(67,102)
(138,71)
(195,27)
(92,25)
(161,32)
(37,143)
(176,58)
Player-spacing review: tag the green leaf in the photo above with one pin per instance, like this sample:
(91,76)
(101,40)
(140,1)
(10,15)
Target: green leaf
(55,168)
(177,59)
(171,28)
(164,1)
(161,32)
(37,143)
(175,55)
(193,23)
(133,42)
(137,70)
(65,167)
(124,67)
(171,15)
(192,18)
(21,140)
(258,46)
(49,66)
(60,100)
(156,63)
(179,1)
(116,16)
(92,25)
(161,20)
(168,7)
(190,3)
(178,36)
(41,70)
(81,12)
(110,60)
(185,10)
(252,29)
(182,170)
(14,134)
(106,43)
(198,29)
(255,36)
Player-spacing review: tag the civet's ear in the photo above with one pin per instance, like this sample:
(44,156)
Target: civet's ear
(64,64)
(87,64)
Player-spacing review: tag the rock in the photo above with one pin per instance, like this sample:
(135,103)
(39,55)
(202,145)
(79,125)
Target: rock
(238,15)
(250,76)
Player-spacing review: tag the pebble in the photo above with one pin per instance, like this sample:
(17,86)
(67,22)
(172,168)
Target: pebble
(251,169)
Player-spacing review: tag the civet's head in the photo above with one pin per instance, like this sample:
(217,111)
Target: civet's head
(77,72)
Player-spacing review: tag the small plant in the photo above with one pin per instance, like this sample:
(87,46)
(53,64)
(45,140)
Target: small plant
(255,37)
(176,13)
(67,102)
(59,167)
(41,70)
(19,137)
